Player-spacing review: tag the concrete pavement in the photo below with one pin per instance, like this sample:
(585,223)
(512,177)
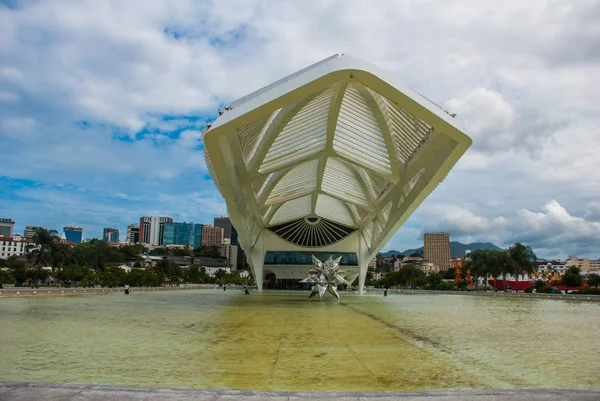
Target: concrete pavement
(24,391)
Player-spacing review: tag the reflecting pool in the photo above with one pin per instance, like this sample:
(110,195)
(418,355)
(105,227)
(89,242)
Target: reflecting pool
(281,341)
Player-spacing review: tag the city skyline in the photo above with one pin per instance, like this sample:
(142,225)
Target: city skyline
(422,244)
(98,143)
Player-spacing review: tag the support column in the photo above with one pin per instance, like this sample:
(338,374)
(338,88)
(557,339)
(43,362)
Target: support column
(362,276)
(256,258)
(364,257)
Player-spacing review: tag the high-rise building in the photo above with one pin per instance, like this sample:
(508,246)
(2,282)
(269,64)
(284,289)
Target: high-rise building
(437,249)
(189,234)
(152,229)
(7,227)
(111,235)
(133,234)
(229,230)
(73,234)
(29,231)
(212,236)
(230,252)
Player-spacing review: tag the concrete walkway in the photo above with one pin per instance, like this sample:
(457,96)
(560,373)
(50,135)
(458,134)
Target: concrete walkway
(23,391)
(20,292)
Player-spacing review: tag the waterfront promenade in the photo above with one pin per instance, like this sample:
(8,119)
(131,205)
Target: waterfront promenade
(24,391)
(11,292)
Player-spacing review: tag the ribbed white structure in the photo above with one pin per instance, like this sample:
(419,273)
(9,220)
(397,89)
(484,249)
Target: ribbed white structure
(335,144)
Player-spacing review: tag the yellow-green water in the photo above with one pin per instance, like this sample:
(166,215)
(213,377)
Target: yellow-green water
(281,341)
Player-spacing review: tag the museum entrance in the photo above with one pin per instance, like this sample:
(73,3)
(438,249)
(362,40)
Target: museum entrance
(292,284)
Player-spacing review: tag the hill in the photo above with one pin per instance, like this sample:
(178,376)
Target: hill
(453,248)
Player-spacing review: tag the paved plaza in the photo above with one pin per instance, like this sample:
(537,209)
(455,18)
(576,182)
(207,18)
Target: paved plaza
(24,391)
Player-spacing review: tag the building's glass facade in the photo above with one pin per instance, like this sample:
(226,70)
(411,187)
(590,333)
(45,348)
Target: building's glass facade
(6,227)
(5,231)
(73,234)
(305,258)
(111,235)
(189,234)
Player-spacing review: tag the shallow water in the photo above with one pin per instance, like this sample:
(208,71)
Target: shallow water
(281,341)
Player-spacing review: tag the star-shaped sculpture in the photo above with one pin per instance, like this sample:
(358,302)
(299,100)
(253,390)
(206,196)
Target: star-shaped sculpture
(325,276)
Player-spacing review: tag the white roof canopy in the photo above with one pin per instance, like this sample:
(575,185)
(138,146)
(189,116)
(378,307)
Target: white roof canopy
(336,142)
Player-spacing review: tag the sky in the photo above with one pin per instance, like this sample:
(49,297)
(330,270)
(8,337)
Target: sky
(102,104)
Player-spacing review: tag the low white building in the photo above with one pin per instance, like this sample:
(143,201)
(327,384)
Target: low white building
(429,268)
(554,266)
(594,266)
(14,246)
(378,276)
(212,271)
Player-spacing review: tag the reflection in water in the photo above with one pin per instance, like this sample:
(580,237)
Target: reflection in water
(280,341)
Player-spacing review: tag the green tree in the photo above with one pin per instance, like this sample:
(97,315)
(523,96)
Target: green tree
(476,264)
(43,250)
(435,281)
(593,280)
(172,271)
(196,275)
(419,282)
(448,274)
(17,269)
(96,253)
(210,251)
(38,274)
(143,278)
(522,260)
(180,251)
(495,265)
(75,273)
(113,277)
(133,251)
(499,264)
(407,276)
(572,278)
(5,278)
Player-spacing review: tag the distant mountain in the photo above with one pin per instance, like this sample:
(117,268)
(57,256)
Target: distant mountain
(454,245)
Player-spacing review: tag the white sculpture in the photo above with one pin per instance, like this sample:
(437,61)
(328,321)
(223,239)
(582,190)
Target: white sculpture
(325,276)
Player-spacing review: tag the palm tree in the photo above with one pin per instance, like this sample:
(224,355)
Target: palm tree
(493,265)
(522,260)
(497,264)
(476,263)
(43,250)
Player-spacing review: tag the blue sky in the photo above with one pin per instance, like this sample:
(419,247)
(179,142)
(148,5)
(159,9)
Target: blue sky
(102,104)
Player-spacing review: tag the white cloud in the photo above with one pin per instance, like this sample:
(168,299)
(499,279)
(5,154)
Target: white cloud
(18,128)
(8,97)
(554,229)
(461,221)
(593,212)
(487,117)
